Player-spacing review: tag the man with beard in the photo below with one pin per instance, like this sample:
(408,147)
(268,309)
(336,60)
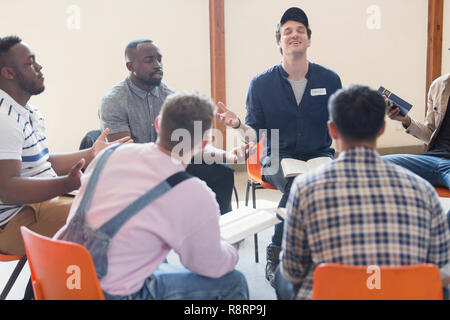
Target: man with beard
(131,107)
(434,164)
(290,98)
(32,181)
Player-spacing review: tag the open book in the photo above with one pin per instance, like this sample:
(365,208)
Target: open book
(244,222)
(293,167)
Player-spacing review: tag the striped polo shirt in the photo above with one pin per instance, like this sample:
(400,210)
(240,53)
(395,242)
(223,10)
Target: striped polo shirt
(22,137)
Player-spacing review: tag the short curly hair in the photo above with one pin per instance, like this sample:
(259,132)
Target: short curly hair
(7,42)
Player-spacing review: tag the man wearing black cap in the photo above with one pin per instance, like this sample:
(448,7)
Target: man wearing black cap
(291,97)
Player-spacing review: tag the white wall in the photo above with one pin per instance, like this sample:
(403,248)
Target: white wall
(80,66)
(393,56)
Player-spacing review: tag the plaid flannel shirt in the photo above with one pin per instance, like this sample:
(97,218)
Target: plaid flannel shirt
(360,210)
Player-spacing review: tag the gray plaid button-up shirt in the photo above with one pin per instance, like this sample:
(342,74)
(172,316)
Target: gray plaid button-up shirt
(127,108)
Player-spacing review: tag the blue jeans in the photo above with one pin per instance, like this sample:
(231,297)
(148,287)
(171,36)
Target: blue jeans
(174,282)
(435,170)
(284,185)
(283,288)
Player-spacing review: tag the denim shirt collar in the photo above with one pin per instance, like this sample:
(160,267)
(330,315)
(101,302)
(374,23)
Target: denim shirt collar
(285,75)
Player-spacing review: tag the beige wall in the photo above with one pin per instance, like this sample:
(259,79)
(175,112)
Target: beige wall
(393,56)
(81,65)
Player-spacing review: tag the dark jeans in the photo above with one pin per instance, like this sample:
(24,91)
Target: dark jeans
(436,170)
(283,288)
(448,218)
(273,174)
(220,178)
(284,185)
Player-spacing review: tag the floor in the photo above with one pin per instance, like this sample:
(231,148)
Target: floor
(259,287)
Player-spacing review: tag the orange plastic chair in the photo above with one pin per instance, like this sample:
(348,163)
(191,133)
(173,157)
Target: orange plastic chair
(254,172)
(442,192)
(60,270)
(12,279)
(342,282)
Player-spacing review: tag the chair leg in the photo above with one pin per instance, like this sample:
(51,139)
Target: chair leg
(254,195)
(255,236)
(13,277)
(247,193)
(236,195)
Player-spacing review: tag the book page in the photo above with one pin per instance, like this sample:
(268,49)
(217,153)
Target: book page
(242,223)
(317,162)
(281,213)
(445,202)
(293,167)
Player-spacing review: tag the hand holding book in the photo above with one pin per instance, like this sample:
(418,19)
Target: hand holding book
(397,105)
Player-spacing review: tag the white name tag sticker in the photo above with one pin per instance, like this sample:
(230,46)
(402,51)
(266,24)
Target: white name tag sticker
(318,92)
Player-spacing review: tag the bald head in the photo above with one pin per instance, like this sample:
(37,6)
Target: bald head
(144,61)
(131,48)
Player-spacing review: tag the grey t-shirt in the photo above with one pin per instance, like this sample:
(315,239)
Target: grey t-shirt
(127,108)
(299,89)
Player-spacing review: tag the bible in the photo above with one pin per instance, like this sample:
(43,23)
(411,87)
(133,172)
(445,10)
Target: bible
(244,222)
(396,100)
(293,167)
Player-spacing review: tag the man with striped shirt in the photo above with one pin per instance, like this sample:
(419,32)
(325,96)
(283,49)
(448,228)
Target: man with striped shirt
(359,209)
(32,180)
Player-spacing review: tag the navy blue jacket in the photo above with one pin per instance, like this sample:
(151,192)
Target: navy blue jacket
(271,104)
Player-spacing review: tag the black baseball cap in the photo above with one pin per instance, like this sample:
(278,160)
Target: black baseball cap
(294,14)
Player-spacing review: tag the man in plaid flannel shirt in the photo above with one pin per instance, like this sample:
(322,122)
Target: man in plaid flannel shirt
(359,209)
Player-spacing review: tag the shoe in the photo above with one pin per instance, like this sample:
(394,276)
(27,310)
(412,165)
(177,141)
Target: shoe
(273,259)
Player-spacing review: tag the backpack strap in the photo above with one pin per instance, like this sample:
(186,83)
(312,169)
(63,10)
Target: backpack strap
(90,188)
